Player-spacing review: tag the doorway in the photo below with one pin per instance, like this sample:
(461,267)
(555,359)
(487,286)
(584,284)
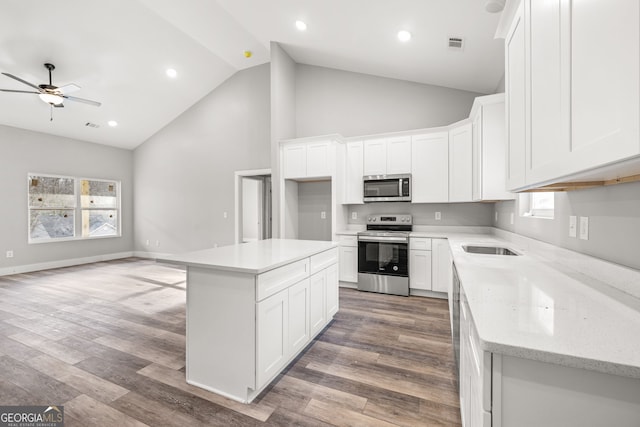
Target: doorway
(253,205)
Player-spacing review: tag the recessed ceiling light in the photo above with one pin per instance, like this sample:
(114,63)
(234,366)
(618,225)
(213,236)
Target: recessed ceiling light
(172,73)
(404,36)
(301,25)
(112,123)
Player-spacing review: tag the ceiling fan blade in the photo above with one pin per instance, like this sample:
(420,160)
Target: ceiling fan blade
(70,88)
(84,101)
(22,81)
(19,91)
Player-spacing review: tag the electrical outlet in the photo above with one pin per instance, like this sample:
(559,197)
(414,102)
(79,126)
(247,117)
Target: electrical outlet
(573,226)
(224,215)
(511,218)
(147,242)
(157,243)
(438,216)
(9,254)
(215,245)
(323,215)
(584,227)
(354,215)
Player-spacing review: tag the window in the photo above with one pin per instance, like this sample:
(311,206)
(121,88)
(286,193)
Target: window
(537,204)
(63,208)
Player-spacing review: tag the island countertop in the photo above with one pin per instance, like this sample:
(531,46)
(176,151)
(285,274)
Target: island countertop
(253,257)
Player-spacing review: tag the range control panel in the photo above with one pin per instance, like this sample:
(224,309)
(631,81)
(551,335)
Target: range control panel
(390,219)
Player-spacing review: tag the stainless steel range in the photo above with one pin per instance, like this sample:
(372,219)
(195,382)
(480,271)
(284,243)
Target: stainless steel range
(383,254)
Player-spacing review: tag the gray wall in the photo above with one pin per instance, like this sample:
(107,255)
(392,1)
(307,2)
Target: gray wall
(351,104)
(283,118)
(614,222)
(184,175)
(23,152)
(470,214)
(314,198)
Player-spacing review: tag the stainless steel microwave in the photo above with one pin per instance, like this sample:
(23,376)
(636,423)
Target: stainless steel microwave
(387,188)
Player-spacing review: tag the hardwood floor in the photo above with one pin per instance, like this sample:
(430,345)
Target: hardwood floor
(106,340)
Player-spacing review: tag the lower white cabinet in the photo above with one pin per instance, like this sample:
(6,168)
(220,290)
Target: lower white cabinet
(317,308)
(332,294)
(348,256)
(299,316)
(272,336)
(441,266)
(420,263)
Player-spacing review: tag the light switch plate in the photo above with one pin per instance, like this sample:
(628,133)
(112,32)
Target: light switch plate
(9,254)
(584,227)
(323,215)
(354,215)
(438,216)
(573,226)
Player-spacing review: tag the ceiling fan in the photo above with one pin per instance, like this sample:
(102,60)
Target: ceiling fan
(50,94)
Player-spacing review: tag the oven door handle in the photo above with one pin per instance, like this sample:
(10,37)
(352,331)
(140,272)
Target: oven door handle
(383,239)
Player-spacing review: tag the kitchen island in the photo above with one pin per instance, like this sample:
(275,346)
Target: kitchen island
(252,308)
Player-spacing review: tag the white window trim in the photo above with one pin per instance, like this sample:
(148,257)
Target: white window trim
(528,212)
(77,210)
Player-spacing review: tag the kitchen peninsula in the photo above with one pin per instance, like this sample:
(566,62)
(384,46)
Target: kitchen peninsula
(252,308)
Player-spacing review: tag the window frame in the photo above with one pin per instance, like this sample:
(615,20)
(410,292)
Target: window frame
(527,211)
(77,209)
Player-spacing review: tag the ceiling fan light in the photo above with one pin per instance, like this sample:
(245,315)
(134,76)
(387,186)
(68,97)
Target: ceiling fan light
(52,99)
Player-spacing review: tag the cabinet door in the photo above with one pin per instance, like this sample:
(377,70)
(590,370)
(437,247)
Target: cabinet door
(460,164)
(605,57)
(295,161)
(399,155)
(430,168)
(317,302)
(272,325)
(332,291)
(319,159)
(298,316)
(354,172)
(441,263)
(375,157)
(493,163)
(515,85)
(348,264)
(420,270)
(476,155)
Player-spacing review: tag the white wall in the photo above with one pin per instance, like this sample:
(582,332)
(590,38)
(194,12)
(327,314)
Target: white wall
(351,104)
(314,197)
(23,152)
(251,211)
(614,222)
(184,175)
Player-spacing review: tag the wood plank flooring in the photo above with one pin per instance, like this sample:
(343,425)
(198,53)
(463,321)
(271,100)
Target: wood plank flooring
(106,340)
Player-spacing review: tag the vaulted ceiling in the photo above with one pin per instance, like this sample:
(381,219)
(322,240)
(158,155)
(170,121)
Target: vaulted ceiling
(118,52)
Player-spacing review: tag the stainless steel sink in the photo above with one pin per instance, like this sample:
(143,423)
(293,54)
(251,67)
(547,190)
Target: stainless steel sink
(489,250)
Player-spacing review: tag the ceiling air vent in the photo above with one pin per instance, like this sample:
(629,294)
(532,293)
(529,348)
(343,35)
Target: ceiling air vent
(91,125)
(456,43)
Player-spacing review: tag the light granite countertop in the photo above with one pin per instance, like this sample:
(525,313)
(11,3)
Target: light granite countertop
(253,257)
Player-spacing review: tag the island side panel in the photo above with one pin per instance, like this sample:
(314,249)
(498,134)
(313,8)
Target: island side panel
(221,331)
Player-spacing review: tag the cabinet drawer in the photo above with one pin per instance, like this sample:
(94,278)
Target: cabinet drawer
(420,243)
(277,279)
(348,240)
(323,260)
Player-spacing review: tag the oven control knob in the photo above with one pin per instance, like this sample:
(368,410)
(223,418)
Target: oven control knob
(369,219)
(395,268)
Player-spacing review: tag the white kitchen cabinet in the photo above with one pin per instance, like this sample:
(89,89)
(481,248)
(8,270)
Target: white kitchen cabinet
(430,168)
(348,253)
(332,291)
(354,171)
(387,156)
(317,307)
(441,279)
(488,148)
(298,320)
(460,163)
(516,101)
(420,263)
(313,159)
(272,328)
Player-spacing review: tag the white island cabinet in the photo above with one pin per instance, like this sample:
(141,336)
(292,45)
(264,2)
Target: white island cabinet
(252,308)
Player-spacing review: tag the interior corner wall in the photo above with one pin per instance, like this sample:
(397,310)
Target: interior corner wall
(184,174)
(23,152)
(283,121)
(614,222)
(333,101)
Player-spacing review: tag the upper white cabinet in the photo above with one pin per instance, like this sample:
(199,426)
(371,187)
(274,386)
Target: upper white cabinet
(354,171)
(579,65)
(488,151)
(460,163)
(387,156)
(430,167)
(308,160)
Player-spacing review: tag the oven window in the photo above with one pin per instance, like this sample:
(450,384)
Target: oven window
(381,188)
(383,258)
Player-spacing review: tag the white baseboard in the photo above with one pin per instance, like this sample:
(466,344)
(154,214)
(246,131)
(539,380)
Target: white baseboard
(150,255)
(428,294)
(18,269)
